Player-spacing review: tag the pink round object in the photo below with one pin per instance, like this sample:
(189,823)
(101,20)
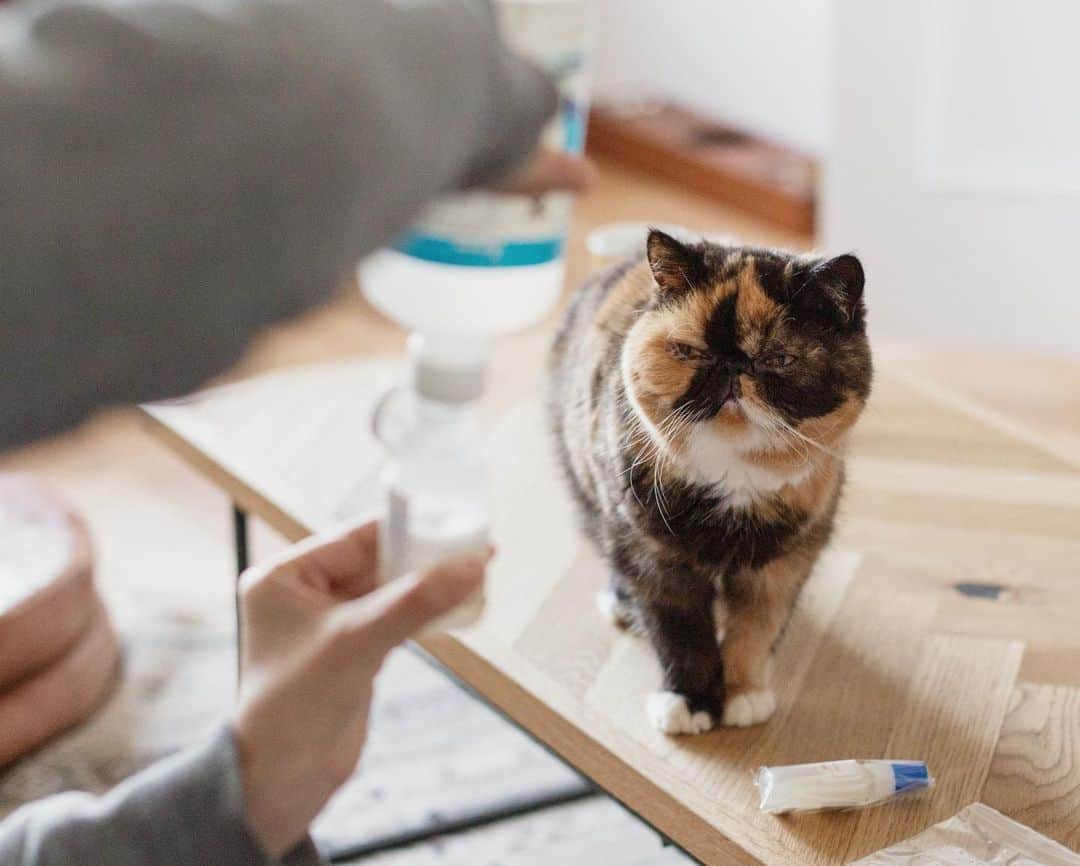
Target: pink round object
(57,648)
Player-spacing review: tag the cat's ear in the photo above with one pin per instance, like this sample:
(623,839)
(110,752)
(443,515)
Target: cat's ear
(834,285)
(676,267)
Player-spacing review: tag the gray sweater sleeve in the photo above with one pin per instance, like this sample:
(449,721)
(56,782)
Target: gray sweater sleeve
(175,177)
(185,811)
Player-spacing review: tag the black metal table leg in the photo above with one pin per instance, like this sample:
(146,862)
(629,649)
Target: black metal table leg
(665,840)
(240,543)
(468,819)
(240,538)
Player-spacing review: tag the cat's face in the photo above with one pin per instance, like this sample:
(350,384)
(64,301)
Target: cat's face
(760,348)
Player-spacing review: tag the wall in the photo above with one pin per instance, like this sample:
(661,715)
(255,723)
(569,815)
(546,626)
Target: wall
(762,64)
(948,130)
(954,168)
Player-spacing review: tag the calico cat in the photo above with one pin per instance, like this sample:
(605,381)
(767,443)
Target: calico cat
(700,397)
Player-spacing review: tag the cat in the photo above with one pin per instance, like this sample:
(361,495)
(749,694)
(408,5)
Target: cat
(701,396)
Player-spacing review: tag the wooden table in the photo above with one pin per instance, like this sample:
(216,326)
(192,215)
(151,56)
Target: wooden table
(943,624)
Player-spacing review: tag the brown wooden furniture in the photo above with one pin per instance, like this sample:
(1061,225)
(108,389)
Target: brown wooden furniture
(761,177)
(942,625)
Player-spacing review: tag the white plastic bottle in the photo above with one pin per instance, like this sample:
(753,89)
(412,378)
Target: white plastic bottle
(434,480)
(475,265)
(480,264)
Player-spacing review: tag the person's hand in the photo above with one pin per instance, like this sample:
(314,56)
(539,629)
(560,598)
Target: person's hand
(316,629)
(549,171)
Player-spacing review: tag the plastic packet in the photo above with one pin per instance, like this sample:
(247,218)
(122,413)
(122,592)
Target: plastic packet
(848,784)
(975,836)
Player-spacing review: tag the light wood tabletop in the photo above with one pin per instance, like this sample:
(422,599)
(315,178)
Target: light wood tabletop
(942,623)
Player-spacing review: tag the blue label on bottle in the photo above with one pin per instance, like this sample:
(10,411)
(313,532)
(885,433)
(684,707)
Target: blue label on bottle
(447,251)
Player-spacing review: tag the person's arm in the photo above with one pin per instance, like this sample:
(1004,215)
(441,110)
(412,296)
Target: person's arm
(317,627)
(184,811)
(173,178)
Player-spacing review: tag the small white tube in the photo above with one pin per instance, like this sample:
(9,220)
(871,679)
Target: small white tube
(838,784)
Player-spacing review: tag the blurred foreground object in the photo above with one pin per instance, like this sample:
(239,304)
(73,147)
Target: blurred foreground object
(58,651)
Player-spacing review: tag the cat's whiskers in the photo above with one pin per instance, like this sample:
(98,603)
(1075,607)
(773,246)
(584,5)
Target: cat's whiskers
(651,448)
(770,425)
(641,458)
(772,429)
(655,444)
(675,423)
(809,441)
(777,425)
(658,448)
(633,429)
(659,500)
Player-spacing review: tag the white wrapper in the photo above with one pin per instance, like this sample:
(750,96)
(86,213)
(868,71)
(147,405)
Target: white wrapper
(976,836)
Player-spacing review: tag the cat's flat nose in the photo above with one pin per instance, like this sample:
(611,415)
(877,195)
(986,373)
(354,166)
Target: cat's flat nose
(729,390)
(734,389)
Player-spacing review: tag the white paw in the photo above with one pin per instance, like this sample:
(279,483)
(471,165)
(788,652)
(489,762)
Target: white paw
(669,712)
(613,609)
(749,708)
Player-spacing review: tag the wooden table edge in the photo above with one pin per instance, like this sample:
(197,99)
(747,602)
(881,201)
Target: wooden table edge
(568,742)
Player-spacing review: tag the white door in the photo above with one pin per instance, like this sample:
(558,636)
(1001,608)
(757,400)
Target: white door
(954,166)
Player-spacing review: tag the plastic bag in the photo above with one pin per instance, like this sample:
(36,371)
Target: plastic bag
(975,836)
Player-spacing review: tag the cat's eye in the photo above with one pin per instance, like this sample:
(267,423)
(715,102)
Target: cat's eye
(686,352)
(778,361)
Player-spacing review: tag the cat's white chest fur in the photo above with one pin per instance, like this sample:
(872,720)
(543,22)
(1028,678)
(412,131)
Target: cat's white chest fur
(717,461)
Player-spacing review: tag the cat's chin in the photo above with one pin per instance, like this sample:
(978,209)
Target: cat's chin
(731,422)
(733,429)
(715,458)
(761,422)
(735,425)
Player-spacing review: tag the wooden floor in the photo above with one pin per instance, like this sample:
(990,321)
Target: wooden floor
(139,501)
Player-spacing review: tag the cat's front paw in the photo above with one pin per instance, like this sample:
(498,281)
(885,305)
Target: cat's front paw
(743,709)
(670,712)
